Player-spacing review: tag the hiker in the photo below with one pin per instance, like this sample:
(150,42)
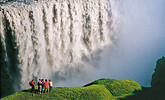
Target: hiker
(46,85)
(42,85)
(50,85)
(32,85)
(39,86)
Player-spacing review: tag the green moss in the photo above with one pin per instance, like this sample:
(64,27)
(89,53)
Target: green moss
(103,89)
(118,87)
(95,92)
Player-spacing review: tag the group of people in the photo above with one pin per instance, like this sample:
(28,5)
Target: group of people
(42,86)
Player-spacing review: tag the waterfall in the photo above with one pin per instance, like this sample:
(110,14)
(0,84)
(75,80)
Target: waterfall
(55,39)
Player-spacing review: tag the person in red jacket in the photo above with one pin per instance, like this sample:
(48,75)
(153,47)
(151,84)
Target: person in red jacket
(32,85)
(46,85)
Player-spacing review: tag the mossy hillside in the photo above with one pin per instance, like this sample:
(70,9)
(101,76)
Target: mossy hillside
(93,92)
(103,89)
(118,87)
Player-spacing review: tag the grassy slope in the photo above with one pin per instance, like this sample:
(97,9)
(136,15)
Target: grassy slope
(118,88)
(103,89)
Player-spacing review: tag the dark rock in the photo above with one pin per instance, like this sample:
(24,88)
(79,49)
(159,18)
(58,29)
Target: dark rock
(158,78)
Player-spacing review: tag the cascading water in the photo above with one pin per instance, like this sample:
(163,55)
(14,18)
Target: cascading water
(74,42)
(55,39)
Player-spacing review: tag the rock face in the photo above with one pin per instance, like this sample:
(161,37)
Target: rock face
(158,78)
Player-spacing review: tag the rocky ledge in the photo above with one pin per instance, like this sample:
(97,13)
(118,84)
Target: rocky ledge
(158,78)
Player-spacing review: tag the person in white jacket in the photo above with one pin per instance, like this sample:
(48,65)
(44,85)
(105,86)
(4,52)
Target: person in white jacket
(50,85)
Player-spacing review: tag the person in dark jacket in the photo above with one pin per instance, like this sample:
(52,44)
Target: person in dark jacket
(39,86)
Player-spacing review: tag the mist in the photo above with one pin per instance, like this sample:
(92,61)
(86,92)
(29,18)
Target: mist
(136,41)
(139,29)
(138,26)
(141,41)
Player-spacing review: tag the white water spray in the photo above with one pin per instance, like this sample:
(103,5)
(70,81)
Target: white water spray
(77,41)
(53,39)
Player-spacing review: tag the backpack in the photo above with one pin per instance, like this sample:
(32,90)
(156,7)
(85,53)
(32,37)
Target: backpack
(30,83)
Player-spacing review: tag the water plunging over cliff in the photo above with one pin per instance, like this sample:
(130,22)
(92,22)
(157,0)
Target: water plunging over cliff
(52,39)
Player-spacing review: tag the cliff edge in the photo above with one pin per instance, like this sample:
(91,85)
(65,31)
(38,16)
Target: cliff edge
(158,78)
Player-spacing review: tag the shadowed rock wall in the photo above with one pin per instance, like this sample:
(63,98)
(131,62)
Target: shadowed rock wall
(158,78)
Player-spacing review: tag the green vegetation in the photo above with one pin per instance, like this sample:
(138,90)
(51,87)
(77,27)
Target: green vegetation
(103,89)
(118,88)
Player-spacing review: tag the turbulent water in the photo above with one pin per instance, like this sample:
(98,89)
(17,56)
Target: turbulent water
(55,39)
